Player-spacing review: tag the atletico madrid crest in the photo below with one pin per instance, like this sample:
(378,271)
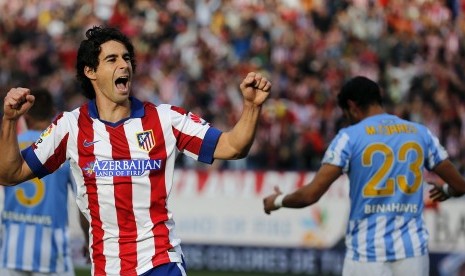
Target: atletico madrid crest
(146,140)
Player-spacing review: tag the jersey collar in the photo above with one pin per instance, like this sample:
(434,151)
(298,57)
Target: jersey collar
(137,109)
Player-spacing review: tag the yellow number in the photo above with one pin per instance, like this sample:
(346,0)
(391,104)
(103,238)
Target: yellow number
(36,198)
(415,167)
(372,189)
(374,185)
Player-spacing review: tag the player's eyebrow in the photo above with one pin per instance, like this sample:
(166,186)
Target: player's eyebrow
(110,56)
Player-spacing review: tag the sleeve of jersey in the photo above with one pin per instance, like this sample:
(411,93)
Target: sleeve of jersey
(435,151)
(48,153)
(194,136)
(338,152)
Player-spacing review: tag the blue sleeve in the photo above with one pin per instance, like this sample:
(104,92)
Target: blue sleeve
(209,145)
(436,152)
(338,152)
(34,163)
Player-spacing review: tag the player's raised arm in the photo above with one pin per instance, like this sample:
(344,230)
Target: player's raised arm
(236,143)
(13,168)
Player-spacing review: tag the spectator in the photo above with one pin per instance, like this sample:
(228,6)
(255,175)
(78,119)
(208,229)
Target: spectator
(394,42)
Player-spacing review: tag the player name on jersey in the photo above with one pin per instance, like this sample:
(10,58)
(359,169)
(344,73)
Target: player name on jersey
(390,129)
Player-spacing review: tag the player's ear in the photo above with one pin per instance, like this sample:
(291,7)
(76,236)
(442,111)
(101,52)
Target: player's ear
(352,105)
(353,109)
(89,72)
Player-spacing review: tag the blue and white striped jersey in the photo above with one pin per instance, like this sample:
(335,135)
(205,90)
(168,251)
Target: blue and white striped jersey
(384,158)
(35,221)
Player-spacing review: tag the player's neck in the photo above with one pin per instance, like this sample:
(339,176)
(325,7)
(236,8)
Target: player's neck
(374,110)
(113,112)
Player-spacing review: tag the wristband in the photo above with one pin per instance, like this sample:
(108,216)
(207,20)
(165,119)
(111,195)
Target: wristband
(445,189)
(278,201)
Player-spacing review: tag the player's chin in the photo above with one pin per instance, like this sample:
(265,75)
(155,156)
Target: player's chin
(125,91)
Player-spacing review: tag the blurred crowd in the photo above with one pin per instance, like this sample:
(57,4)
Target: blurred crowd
(194,53)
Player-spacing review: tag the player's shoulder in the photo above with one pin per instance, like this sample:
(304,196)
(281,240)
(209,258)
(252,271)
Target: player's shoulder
(163,111)
(67,116)
(384,119)
(172,111)
(27,137)
(372,122)
(154,107)
(388,121)
(421,128)
(75,113)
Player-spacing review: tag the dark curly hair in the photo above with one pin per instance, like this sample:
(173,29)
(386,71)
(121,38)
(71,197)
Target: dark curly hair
(90,49)
(363,91)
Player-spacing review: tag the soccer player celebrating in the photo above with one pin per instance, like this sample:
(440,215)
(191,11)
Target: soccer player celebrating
(384,158)
(122,153)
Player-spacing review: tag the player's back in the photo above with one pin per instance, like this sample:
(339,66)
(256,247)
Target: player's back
(35,221)
(384,157)
(387,158)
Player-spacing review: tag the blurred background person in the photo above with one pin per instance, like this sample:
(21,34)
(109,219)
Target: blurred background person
(35,235)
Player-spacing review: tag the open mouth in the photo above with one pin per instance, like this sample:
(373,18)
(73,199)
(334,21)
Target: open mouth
(122,83)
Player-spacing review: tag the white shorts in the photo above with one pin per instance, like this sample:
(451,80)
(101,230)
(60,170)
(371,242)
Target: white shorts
(418,266)
(13,272)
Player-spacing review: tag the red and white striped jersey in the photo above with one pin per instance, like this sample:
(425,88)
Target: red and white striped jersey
(124,174)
